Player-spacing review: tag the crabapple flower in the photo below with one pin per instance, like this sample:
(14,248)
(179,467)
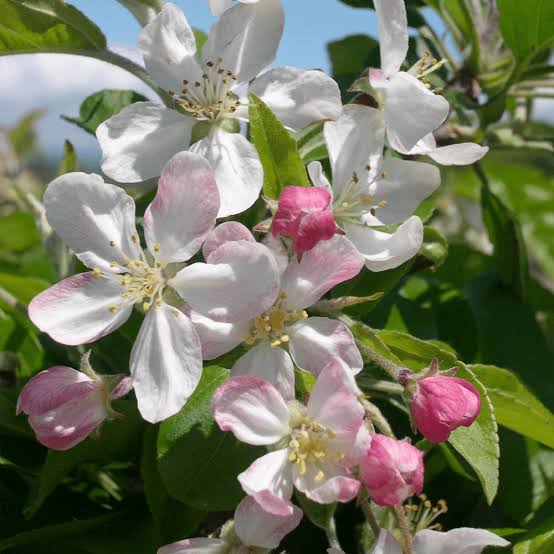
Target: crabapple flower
(208,100)
(253,531)
(441,404)
(369,191)
(410,110)
(65,405)
(283,332)
(97,221)
(310,445)
(392,470)
(464,540)
(219,6)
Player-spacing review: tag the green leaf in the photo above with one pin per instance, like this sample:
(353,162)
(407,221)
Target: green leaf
(101,105)
(435,246)
(311,143)
(23,288)
(537,541)
(515,406)
(143,10)
(18,232)
(319,514)
(9,422)
(277,150)
(69,162)
(23,137)
(199,463)
(46,26)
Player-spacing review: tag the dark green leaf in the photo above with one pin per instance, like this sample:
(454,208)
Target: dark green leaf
(18,232)
(435,246)
(319,514)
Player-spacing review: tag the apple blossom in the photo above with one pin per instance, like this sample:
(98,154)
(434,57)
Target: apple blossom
(219,6)
(207,101)
(65,405)
(311,341)
(97,221)
(310,445)
(392,470)
(253,531)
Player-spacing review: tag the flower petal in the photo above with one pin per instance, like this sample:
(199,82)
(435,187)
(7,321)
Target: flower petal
(384,251)
(270,364)
(246,38)
(184,209)
(218,6)
(299,97)
(169,49)
(387,544)
(331,262)
(412,111)
(226,232)
(255,526)
(252,409)
(166,363)
(89,216)
(318,177)
(79,310)
(138,141)
(314,342)
(240,282)
(195,546)
(355,141)
(339,488)
(465,153)
(464,540)
(393,34)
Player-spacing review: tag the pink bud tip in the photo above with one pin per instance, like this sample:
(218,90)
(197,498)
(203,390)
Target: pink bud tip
(303,215)
(442,404)
(392,470)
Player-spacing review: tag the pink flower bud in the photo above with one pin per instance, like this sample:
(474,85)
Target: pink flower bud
(392,470)
(64,405)
(441,404)
(304,216)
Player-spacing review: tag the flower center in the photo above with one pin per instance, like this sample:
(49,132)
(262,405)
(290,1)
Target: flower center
(423,515)
(212,98)
(424,67)
(272,324)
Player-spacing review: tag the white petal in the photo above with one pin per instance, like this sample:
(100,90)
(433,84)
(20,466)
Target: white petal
(252,409)
(314,342)
(138,141)
(237,167)
(225,232)
(169,49)
(246,38)
(88,214)
(256,527)
(195,546)
(218,6)
(393,34)
(184,209)
(411,111)
(77,309)
(166,363)
(240,282)
(405,185)
(465,153)
(384,251)
(299,97)
(464,540)
(331,262)
(386,544)
(318,177)
(270,364)
(355,141)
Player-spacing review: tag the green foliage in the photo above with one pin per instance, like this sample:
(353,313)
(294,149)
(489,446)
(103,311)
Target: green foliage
(22,136)
(69,162)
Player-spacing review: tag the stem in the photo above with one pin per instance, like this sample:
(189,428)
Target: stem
(383,386)
(331,532)
(376,417)
(364,503)
(408,542)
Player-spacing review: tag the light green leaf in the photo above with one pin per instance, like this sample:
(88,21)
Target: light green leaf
(311,144)
(23,288)
(23,137)
(319,514)
(18,232)
(537,541)
(69,161)
(435,246)
(277,150)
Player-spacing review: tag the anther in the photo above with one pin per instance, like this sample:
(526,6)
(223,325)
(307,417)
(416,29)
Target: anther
(157,247)
(112,243)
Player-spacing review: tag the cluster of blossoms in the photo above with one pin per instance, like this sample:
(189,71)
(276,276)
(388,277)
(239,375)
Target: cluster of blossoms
(250,293)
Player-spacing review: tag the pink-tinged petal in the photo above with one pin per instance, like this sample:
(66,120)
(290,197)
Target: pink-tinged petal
(442,404)
(412,111)
(195,546)
(382,251)
(229,231)
(272,473)
(138,141)
(393,34)
(166,363)
(96,220)
(71,422)
(184,209)
(315,341)
(169,49)
(270,364)
(277,247)
(252,409)
(217,338)
(52,387)
(314,228)
(123,388)
(465,153)
(392,470)
(331,262)
(360,447)
(464,540)
(318,177)
(337,489)
(79,309)
(298,97)
(256,527)
(387,544)
(240,282)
